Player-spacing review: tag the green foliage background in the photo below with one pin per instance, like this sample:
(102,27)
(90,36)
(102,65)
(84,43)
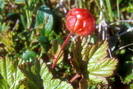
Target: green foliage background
(31,34)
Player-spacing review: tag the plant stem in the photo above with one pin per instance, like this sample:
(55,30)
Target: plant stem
(109,10)
(74,78)
(118,9)
(62,47)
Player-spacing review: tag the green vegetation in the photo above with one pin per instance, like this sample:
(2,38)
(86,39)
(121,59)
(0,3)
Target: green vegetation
(31,35)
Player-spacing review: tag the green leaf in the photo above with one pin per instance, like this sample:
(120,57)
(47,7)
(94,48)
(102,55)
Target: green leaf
(28,55)
(44,17)
(97,51)
(64,85)
(10,74)
(6,37)
(20,1)
(54,50)
(97,79)
(126,73)
(100,66)
(38,76)
(2,4)
(45,74)
(91,86)
(131,86)
(58,84)
(3,83)
(4,27)
(128,78)
(53,84)
(50,83)
(31,72)
(76,61)
(43,39)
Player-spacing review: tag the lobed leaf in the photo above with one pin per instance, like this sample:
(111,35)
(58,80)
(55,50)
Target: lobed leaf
(97,51)
(99,65)
(103,67)
(7,39)
(97,79)
(64,85)
(45,74)
(3,83)
(38,76)
(10,74)
(31,73)
(49,82)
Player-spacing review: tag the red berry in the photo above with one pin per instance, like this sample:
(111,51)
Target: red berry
(80,21)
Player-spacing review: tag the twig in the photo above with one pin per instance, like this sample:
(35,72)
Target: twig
(125,46)
(109,51)
(16,24)
(61,4)
(75,77)
(130,49)
(130,21)
(128,30)
(100,18)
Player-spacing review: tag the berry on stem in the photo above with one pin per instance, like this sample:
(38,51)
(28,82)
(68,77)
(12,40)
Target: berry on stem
(79,21)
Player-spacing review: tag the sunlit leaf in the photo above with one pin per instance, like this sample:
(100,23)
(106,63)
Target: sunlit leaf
(98,51)
(58,84)
(3,83)
(97,79)
(32,75)
(100,66)
(46,75)
(38,76)
(4,26)
(64,85)
(10,74)
(6,37)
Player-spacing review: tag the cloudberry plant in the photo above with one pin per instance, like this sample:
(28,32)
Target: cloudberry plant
(79,21)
